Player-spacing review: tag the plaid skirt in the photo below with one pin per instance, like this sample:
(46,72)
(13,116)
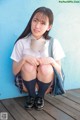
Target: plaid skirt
(56,87)
(19,83)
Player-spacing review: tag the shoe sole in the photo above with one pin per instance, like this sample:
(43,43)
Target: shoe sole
(38,108)
(30,108)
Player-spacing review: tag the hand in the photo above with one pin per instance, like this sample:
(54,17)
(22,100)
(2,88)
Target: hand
(45,60)
(32,60)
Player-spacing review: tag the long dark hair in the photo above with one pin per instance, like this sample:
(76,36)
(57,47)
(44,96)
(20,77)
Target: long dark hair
(45,11)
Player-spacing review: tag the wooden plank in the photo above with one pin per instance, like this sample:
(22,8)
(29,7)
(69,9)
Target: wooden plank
(63,107)
(72,96)
(41,115)
(69,102)
(77,90)
(38,115)
(66,107)
(3,109)
(17,111)
(56,113)
(75,93)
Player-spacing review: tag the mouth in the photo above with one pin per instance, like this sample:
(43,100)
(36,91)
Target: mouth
(36,31)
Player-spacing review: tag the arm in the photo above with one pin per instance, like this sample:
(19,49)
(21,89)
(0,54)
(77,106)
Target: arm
(57,65)
(17,66)
(50,60)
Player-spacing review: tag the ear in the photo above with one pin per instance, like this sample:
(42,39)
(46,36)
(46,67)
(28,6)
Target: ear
(50,26)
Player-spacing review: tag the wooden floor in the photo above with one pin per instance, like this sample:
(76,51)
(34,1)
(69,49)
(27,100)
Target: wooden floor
(66,107)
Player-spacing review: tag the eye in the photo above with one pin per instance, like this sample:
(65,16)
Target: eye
(43,23)
(35,20)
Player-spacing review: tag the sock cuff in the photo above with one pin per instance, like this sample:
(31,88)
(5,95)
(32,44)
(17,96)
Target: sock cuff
(41,82)
(33,80)
(30,85)
(42,88)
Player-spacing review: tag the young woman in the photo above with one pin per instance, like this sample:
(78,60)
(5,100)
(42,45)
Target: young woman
(31,59)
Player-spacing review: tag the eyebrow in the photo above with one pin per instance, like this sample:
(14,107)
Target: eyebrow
(41,19)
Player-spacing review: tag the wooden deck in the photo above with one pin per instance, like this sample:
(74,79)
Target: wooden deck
(66,107)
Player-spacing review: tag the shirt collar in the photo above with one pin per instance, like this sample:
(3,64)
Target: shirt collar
(32,37)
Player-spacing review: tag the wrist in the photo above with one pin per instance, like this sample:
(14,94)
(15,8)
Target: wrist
(22,61)
(52,61)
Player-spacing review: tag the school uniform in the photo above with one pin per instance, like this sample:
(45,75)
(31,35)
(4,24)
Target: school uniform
(36,48)
(23,47)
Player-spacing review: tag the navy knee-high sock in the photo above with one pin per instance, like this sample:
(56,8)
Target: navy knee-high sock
(30,85)
(42,88)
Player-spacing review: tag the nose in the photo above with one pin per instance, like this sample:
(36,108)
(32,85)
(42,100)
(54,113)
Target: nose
(38,25)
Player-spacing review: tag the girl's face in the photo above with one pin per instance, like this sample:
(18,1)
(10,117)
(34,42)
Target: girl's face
(39,25)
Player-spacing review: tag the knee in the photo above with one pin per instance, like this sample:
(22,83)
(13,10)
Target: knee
(45,69)
(28,68)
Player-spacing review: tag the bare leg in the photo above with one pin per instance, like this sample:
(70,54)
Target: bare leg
(45,73)
(28,72)
(45,77)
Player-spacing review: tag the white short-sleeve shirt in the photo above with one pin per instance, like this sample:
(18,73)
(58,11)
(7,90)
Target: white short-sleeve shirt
(22,47)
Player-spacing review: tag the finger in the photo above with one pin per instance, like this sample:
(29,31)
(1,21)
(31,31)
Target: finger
(39,61)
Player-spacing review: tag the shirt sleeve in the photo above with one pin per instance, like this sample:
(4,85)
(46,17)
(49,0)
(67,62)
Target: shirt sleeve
(58,52)
(17,51)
